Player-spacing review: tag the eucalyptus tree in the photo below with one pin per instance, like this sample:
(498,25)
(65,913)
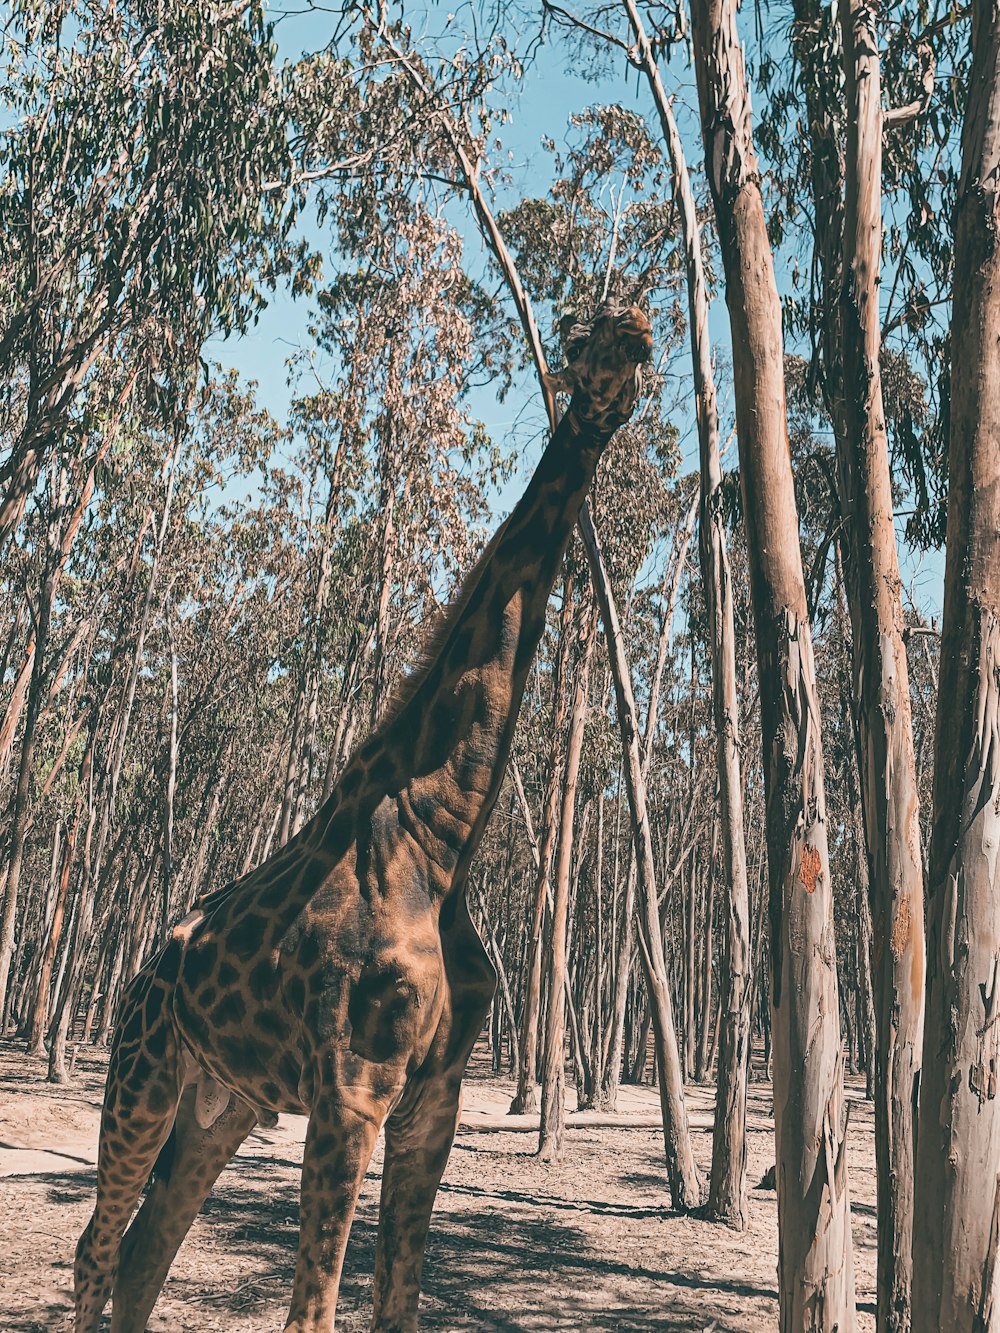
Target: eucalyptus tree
(881,676)
(815,1267)
(460,146)
(957,1203)
(142,150)
(871,313)
(617,132)
(727,1197)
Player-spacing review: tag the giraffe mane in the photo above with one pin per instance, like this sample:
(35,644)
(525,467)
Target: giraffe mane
(434,640)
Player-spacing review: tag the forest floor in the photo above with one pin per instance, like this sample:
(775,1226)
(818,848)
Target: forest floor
(515,1244)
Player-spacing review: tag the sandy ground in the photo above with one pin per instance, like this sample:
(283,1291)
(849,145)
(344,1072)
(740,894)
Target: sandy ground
(515,1245)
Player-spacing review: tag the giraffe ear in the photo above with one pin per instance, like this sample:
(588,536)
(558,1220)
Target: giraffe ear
(562,382)
(573,334)
(566,324)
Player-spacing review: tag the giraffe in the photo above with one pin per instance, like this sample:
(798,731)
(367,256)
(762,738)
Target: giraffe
(343,978)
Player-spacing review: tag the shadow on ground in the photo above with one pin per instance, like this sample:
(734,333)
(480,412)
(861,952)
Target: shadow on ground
(506,1261)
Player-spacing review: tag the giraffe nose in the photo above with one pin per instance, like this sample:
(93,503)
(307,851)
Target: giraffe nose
(636,334)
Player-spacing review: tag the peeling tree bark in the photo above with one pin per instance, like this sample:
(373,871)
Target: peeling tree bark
(957,1204)
(815,1262)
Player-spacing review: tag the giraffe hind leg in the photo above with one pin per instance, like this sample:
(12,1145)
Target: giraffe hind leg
(339,1143)
(140,1102)
(198,1156)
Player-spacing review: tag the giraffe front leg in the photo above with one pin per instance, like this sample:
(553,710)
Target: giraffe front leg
(418,1139)
(175,1199)
(339,1144)
(140,1102)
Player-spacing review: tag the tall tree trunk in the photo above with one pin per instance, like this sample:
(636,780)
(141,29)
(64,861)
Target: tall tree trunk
(865,951)
(727,1192)
(552,1122)
(622,939)
(682,1173)
(957,1204)
(705,1024)
(815,1258)
(171,784)
(680,1161)
(39,1020)
(598,1026)
(889,794)
(22,791)
(524,1101)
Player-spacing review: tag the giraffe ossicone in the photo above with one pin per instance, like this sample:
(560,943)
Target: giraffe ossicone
(343,978)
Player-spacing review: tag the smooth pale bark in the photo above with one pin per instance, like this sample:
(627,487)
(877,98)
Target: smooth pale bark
(864,951)
(957,1201)
(889,793)
(552,1123)
(598,1024)
(607,1091)
(705,1007)
(682,1173)
(815,1260)
(173,707)
(690,915)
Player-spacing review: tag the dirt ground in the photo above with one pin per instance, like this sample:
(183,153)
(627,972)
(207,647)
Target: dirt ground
(515,1245)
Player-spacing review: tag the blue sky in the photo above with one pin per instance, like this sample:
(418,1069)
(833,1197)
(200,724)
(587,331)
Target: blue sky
(551,91)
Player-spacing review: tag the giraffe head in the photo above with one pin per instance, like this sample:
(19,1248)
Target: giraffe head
(603,359)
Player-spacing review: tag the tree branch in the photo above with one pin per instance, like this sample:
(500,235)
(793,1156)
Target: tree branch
(894,117)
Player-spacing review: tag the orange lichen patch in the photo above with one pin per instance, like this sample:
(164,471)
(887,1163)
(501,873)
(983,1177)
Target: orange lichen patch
(809,868)
(900,937)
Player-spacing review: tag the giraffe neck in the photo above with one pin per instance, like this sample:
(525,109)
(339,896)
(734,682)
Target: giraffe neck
(439,759)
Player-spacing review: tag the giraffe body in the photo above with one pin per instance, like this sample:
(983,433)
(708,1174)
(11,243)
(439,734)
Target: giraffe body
(343,979)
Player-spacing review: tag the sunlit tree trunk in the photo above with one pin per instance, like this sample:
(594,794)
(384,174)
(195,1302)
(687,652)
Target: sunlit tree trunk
(524,1101)
(623,939)
(815,1261)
